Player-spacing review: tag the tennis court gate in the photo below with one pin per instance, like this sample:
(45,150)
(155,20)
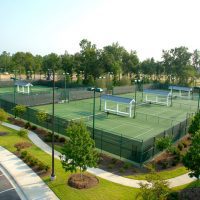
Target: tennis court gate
(129,148)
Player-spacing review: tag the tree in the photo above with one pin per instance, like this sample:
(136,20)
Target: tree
(5,61)
(3,115)
(19,110)
(155,189)
(191,160)
(195,124)
(80,150)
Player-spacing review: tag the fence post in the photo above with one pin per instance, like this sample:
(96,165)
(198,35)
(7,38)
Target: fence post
(120,150)
(154,141)
(141,155)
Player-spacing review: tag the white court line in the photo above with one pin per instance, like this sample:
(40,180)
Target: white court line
(143,133)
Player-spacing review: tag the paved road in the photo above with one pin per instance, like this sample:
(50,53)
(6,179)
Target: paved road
(7,191)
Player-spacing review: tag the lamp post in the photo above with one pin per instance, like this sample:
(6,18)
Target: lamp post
(14,79)
(1,70)
(94,91)
(173,79)
(65,73)
(136,83)
(53,128)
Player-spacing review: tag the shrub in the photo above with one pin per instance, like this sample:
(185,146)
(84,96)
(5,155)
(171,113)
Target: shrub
(19,110)
(47,138)
(41,166)
(22,132)
(23,154)
(62,140)
(180,146)
(56,138)
(184,144)
(121,170)
(114,160)
(27,158)
(127,165)
(164,164)
(47,168)
(27,125)
(163,143)
(110,166)
(33,127)
(33,161)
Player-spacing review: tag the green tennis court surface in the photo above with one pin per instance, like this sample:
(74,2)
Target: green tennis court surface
(33,89)
(150,119)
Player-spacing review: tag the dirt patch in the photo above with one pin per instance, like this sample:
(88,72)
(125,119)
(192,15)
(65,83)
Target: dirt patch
(190,194)
(84,182)
(22,145)
(3,133)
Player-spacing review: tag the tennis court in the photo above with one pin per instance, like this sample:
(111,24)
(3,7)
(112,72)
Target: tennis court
(33,89)
(150,119)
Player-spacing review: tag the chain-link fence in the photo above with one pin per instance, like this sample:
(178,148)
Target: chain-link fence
(132,149)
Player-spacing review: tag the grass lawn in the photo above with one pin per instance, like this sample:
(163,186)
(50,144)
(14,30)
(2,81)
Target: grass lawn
(105,190)
(167,174)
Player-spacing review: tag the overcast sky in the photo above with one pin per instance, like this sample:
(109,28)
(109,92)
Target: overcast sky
(147,26)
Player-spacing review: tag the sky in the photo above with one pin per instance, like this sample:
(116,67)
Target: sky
(146,26)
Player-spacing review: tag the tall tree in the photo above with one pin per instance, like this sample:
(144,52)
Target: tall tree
(90,60)
(5,61)
(80,150)
(50,62)
(192,158)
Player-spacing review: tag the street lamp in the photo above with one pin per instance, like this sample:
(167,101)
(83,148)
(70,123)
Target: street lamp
(94,89)
(1,70)
(53,128)
(14,79)
(137,81)
(65,73)
(173,79)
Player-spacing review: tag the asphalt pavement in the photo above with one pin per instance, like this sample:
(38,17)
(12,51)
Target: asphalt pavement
(7,191)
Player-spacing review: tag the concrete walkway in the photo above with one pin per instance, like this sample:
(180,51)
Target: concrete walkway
(28,181)
(173,182)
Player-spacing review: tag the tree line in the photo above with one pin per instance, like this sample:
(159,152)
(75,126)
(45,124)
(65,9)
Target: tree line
(177,64)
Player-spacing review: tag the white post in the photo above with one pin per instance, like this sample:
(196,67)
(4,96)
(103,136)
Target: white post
(130,109)
(105,107)
(117,108)
(28,89)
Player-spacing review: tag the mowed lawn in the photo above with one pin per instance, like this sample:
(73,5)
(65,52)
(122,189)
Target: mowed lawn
(105,190)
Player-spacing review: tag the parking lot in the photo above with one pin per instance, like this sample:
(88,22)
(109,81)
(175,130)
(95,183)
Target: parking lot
(7,191)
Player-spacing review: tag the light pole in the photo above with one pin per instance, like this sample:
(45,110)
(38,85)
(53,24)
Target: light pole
(173,79)
(14,79)
(1,70)
(136,83)
(53,128)
(94,90)
(65,73)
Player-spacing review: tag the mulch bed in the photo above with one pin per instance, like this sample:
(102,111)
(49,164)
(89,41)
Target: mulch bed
(87,181)
(3,133)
